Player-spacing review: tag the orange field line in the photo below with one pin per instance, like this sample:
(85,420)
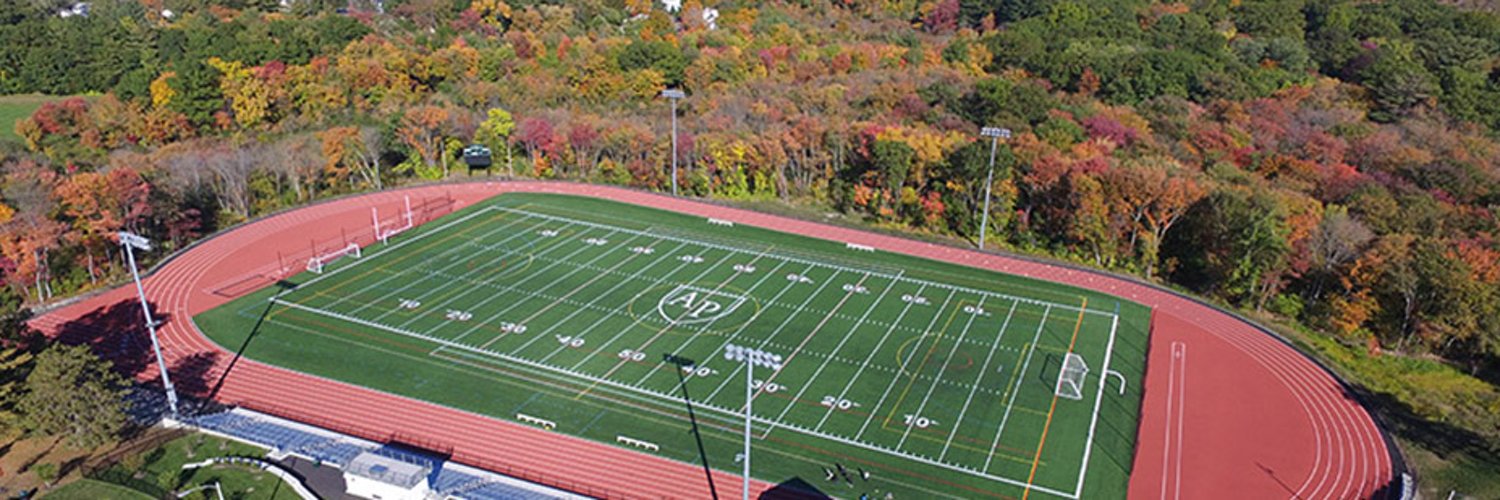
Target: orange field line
(1048,426)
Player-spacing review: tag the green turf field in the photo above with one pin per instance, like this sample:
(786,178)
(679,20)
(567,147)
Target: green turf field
(936,378)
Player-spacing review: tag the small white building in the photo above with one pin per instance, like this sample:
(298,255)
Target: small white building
(378,477)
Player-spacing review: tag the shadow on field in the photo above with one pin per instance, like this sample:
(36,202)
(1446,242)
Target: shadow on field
(285,286)
(687,399)
(794,488)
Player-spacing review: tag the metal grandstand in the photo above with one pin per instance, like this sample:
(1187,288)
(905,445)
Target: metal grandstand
(286,438)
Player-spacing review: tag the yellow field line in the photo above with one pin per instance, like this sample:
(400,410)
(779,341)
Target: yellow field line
(936,339)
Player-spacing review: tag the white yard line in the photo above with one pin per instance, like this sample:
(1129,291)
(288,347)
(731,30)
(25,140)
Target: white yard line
(821,366)
(947,360)
(634,278)
(425,276)
(439,308)
(559,300)
(737,366)
(893,277)
(1020,379)
(983,370)
(642,317)
(874,410)
(340,299)
(714,354)
(699,332)
(845,392)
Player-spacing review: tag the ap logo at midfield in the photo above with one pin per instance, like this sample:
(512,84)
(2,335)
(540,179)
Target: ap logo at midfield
(688,304)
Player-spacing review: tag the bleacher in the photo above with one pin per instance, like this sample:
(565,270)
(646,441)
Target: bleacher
(289,438)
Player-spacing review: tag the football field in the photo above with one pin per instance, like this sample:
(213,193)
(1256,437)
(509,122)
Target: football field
(621,324)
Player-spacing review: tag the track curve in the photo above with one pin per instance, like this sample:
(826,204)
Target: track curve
(1229,411)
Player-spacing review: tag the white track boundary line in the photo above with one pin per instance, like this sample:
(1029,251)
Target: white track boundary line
(984,369)
(895,277)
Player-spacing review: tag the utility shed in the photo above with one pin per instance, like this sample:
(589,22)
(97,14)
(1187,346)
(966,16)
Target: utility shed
(379,477)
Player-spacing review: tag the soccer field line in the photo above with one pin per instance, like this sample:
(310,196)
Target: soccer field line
(824,365)
(762,344)
(1088,446)
(698,331)
(597,381)
(563,279)
(634,278)
(455,293)
(1051,411)
(1016,390)
(983,370)
(636,320)
(922,406)
(894,278)
(398,258)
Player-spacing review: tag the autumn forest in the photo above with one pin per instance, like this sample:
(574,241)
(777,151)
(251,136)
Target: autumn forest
(1330,167)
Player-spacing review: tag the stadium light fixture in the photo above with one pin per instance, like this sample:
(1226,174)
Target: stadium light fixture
(752,357)
(674,95)
(995,134)
(133,242)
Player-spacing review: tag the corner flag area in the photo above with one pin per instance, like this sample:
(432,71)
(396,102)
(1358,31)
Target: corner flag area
(609,322)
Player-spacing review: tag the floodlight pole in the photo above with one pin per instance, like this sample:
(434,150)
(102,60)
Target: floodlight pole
(995,134)
(751,356)
(132,241)
(673,95)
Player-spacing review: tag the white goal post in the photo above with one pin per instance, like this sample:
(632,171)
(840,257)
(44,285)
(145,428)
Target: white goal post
(1070,378)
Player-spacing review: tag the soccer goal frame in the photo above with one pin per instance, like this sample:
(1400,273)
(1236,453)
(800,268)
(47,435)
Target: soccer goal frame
(316,262)
(1070,378)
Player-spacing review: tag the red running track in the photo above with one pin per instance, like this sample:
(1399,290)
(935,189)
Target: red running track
(1229,411)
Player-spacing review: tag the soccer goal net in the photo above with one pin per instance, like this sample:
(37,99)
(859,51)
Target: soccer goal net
(315,264)
(1070,378)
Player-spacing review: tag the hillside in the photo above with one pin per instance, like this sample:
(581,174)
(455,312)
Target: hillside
(1330,166)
